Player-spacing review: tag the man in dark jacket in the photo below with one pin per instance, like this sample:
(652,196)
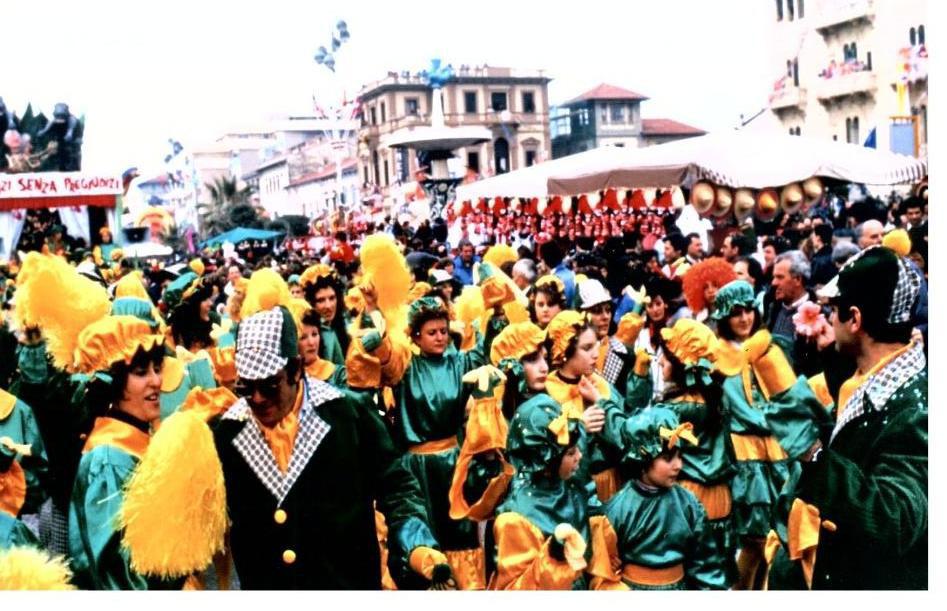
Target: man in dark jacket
(303,464)
(867,476)
(823,269)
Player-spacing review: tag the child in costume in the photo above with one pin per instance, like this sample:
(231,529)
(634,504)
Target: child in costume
(323,291)
(654,534)
(542,527)
(23,479)
(692,390)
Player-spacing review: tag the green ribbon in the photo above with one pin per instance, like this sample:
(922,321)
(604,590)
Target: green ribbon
(702,369)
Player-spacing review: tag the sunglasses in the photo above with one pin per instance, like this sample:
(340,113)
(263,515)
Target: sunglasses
(268,387)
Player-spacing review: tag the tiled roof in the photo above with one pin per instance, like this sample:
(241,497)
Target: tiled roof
(668,127)
(607,92)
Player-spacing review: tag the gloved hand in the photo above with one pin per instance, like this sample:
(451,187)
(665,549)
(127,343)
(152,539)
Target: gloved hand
(757,345)
(629,326)
(572,544)
(642,362)
(432,565)
(371,340)
(486,379)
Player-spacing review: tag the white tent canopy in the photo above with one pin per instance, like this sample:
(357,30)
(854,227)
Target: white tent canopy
(754,160)
(146,249)
(734,159)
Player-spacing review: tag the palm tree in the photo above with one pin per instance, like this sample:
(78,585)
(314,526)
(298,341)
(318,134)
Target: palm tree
(229,207)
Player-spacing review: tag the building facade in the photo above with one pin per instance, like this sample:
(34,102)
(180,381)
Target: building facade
(853,71)
(610,116)
(512,104)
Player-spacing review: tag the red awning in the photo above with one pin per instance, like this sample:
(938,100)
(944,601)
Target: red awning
(65,201)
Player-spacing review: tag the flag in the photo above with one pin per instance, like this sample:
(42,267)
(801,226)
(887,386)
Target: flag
(872,140)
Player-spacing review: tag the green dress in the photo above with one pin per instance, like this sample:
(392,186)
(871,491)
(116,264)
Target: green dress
(99,562)
(663,527)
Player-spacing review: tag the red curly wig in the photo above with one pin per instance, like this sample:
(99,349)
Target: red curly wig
(714,270)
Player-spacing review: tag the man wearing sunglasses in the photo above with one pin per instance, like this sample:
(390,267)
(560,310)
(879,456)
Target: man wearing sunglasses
(304,466)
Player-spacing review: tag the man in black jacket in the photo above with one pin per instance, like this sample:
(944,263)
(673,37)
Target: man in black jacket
(304,464)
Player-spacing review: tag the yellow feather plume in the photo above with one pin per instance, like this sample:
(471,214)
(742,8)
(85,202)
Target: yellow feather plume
(175,509)
(55,297)
(28,568)
(469,306)
(499,254)
(383,265)
(265,290)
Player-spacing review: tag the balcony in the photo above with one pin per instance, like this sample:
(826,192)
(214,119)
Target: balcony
(845,85)
(788,98)
(840,13)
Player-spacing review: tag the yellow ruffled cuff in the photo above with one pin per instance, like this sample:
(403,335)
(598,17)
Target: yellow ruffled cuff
(423,560)
(523,558)
(468,567)
(773,372)
(483,507)
(607,483)
(820,388)
(804,527)
(629,327)
(642,362)
(605,567)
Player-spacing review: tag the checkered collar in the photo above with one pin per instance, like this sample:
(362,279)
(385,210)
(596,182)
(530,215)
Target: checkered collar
(251,444)
(879,388)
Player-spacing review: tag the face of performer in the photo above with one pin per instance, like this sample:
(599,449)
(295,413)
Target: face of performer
(233,274)
(656,309)
(741,322)
(309,345)
(586,353)
(142,390)
(270,399)
(600,315)
(710,294)
(433,337)
(545,309)
(206,306)
(570,462)
(742,270)
(536,369)
(667,370)
(297,292)
(326,303)
(663,471)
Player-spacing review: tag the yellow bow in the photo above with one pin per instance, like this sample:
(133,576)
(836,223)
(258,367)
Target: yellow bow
(804,527)
(682,431)
(560,428)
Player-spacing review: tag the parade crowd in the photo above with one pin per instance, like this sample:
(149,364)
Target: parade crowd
(567,403)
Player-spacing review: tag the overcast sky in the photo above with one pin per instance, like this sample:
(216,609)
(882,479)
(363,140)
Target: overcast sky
(144,71)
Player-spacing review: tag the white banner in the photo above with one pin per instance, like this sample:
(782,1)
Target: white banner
(59,184)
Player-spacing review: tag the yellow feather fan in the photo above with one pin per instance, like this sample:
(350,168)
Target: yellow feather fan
(175,511)
(384,266)
(265,290)
(55,297)
(28,568)
(469,308)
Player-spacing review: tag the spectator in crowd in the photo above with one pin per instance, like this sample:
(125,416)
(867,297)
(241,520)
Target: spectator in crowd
(791,275)
(695,249)
(675,246)
(869,233)
(823,269)
(464,262)
(524,273)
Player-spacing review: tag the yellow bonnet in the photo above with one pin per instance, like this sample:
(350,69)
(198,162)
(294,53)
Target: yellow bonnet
(516,341)
(561,329)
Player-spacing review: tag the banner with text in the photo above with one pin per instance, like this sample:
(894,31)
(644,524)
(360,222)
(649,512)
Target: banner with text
(58,185)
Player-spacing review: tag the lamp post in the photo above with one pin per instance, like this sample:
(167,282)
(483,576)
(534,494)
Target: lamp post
(325,56)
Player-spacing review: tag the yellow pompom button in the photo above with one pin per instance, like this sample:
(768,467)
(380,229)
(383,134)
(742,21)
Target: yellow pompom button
(289,556)
(279,517)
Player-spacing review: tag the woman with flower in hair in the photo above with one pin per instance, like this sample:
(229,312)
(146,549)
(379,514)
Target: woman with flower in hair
(546,299)
(701,283)
(761,388)
(323,291)
(691,389)
(654,533)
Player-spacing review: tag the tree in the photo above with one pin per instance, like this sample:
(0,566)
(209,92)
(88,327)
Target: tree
(229,208)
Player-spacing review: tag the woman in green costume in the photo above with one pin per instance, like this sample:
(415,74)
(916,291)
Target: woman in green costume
(429,413)
(654,534)
(692,391)
(324,293)
(760,381)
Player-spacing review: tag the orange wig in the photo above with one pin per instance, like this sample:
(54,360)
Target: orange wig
(714,270)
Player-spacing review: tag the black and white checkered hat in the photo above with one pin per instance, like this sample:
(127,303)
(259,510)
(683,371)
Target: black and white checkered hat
(258,345)
(863,273)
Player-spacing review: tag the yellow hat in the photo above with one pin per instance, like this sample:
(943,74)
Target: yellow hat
(690,341)
(131,285)
(899,241)
(197,266)
(551,279)
(561,329)
(112,339)
(516,341)
(314,272)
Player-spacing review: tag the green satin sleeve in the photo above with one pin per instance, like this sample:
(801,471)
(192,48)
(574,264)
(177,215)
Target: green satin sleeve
(744,418)
(98,559)
(711,461)
(200,372)
(21,427)
(797,418)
